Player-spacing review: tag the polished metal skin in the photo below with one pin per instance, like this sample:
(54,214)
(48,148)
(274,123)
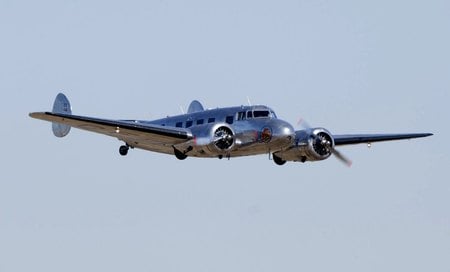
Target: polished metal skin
(222,132)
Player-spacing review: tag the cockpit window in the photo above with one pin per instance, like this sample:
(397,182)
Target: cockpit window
(241,115)
(261,113)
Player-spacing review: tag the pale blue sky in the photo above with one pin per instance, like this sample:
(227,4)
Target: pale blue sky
(74,204)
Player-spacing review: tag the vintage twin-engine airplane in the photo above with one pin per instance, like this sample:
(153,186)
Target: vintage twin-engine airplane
(221,132)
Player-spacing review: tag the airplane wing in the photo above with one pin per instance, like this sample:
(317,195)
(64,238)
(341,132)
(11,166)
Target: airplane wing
(135,133)
(317,144)
(371,138)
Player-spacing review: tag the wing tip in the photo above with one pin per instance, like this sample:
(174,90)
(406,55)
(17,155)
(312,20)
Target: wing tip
(35,114)
(422,135)
(38,114)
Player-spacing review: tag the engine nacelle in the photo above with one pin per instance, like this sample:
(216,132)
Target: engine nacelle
(217,139)
(314,144)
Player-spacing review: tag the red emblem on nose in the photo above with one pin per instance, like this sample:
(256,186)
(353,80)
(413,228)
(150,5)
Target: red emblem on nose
(266,135)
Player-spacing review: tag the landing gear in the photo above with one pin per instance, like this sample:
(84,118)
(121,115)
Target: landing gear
(221,156)
(179,155)
(123,150)
(278,160)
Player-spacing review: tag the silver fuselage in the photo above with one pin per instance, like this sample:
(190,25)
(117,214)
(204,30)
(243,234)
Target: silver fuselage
(254,134)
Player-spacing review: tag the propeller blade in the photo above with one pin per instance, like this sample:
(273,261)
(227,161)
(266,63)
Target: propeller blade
(302,123)
(341,157)
(224,138)
(327,144)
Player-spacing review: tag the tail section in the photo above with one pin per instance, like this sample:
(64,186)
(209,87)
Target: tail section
(61,105)
(195,106)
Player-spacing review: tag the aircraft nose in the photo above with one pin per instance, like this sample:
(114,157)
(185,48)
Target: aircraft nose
(289,131)
(286,131)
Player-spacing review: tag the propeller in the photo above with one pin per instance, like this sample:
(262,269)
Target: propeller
(302,123)
(341,157)
(223,139)
(330,148)
(324,144)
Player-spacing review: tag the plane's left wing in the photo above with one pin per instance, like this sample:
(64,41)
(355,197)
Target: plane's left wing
(135,133)
(371,138)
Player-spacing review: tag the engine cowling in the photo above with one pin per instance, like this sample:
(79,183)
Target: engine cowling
(217,139)
(311,145)
(223,138)
(316,144)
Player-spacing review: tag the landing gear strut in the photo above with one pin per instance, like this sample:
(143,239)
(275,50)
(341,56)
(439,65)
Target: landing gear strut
(180,155)
(123,150)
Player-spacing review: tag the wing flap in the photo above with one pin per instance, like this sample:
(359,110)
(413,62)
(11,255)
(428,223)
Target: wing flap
(371,138)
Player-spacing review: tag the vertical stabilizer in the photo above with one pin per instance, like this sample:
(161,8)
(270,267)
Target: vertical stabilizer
(195,106)
(61,105)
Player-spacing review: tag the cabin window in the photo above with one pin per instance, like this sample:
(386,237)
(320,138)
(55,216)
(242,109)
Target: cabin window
(211,120)
(188,124)
(249,114)
(200,121)
(179,124)
(261,114)
(229,120)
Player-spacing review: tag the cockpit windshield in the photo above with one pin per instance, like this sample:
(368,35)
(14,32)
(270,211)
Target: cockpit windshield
(261,113)
(255,113)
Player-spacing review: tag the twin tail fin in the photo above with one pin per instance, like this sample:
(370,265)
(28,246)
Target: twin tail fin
(61,105)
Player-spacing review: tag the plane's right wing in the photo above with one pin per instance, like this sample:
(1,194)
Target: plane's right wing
(137,134)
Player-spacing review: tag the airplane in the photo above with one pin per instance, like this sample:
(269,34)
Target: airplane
(216,133)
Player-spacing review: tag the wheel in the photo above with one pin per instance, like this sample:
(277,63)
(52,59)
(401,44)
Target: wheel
(278,160)
(123,150)
(179,155)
